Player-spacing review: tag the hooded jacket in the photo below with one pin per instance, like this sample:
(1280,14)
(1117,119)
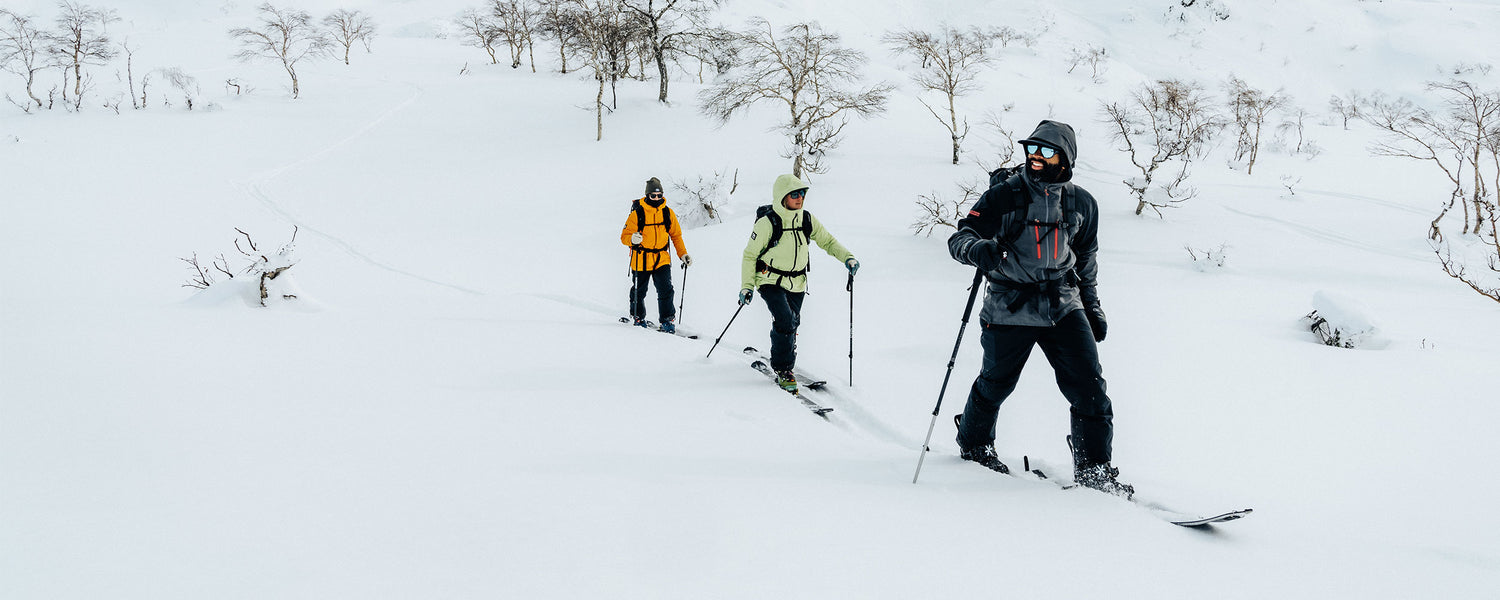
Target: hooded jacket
(1052,269)
(652,253)
(794,249)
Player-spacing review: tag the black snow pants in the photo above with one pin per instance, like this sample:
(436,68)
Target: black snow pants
(1070,348)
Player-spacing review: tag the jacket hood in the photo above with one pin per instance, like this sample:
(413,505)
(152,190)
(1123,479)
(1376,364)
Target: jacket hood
(784,185)
(1058,135)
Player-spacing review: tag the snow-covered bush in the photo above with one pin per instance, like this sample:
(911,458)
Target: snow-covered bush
(703,200)
(1207,260)
(1341,322)
(267,271)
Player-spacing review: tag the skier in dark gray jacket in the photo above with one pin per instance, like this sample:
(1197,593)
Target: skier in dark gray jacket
(1034,236)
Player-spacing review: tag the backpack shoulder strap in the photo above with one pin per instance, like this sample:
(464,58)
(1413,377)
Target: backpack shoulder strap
(640,215)
(807,226)
(666,218)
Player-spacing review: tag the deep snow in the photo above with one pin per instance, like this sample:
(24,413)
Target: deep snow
(451,409)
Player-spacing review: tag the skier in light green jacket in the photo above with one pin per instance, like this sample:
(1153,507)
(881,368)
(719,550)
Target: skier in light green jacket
(775,263)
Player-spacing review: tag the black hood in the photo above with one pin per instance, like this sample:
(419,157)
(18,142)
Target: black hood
(1058,135)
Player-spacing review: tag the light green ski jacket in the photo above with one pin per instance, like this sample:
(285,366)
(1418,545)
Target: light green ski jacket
(791,254)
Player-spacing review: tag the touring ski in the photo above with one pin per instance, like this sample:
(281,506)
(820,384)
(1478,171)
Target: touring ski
(650,326)
(1169,515)
(817,409)
(803,379)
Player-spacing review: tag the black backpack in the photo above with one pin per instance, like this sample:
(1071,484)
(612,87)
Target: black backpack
(640,217)
(1016,200)
(769,213)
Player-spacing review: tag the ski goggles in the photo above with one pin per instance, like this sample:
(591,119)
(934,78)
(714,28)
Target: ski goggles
(654,195)
(797,194)
(1045,151)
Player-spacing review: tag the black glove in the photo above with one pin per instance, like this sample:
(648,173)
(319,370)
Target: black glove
(1097,322)
(986,254)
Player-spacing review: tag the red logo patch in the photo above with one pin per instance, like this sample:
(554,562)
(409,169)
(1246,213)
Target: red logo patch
(973,213)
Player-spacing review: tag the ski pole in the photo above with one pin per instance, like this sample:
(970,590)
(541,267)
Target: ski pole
(726,330)
(973,292)
(683,300)
(850,287)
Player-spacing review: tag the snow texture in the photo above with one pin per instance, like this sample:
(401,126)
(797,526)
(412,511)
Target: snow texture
(450,409)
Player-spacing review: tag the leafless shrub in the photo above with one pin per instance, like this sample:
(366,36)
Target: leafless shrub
(347,27)
(1249,108)
(1206,259)
(480,31)
(604,37)
(1093,56)
(1168,121)
(1294,123)
(517,21)
(935,210)
(1462,141)
(670,28)
(80,39)
(23,52)
(284,35)
(805,69)
(949,63)
(1347,108)
(706,196)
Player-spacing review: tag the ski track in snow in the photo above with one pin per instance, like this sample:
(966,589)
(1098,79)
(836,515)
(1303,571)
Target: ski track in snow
(1325,235)
(848,415)
(252,188)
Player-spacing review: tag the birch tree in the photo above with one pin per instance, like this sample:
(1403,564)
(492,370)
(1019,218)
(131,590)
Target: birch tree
(80,39)
(806,70)
(346,27)
(23,52)
(669,25)
(285,35)
(949,62)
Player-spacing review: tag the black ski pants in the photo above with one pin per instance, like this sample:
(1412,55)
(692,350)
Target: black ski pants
(1070,348)
(664,293)
(786,315)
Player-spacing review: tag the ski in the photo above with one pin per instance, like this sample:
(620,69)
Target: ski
(803,379)
(1174,517)
(650,326)
(817,409)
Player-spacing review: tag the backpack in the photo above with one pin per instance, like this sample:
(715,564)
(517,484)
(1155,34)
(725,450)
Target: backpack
(1016,200)
(640,217)
(769,213)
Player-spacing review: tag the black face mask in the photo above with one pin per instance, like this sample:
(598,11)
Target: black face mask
(1051,173)
(657,202)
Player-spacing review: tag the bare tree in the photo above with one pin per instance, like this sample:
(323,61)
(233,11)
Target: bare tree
(80,39)
(1463,141)
(1249,108)
(559,21)
(669,26)
(950,62)
(286,35)
(1163,122)
(480,31)
(1093,56)
(940,211)
(349,26)
(1346,109)
(805,69)
(518,22)
(604,35)
(23,51)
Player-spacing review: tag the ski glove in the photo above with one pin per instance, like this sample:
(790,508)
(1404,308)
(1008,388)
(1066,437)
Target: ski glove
(687,261)
(986,254)
(745,296)
(635,238)
(852,264)
(1096,322)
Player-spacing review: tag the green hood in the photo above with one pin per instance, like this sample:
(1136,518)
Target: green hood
(784,185)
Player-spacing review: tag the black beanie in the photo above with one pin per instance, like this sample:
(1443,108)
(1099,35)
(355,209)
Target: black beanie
(653,185)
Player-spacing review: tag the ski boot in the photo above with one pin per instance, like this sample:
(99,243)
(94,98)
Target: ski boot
(787,381)
(668,327)
(984,455)
(1102,477)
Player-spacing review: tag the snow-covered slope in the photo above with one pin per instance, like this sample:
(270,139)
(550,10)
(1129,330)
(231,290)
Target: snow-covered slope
(452,411)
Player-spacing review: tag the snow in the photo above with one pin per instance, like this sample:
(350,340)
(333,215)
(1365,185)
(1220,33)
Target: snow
(450,408)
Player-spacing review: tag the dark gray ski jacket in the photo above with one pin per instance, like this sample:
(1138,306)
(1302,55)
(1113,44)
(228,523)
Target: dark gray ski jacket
(1051,269)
